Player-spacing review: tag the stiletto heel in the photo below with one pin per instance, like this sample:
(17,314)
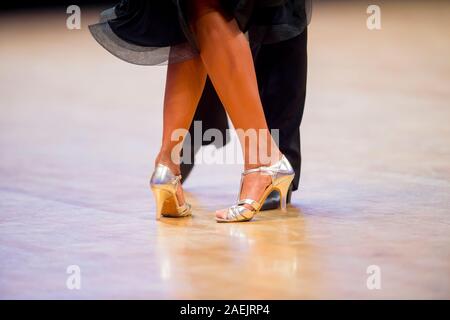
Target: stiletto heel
(283,189)
(161,196)
(281,174)
(164,186)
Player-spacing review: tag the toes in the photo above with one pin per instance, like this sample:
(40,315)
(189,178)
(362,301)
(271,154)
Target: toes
(221,214)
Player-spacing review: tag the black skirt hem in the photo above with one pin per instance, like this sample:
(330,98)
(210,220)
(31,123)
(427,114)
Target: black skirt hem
(131,37)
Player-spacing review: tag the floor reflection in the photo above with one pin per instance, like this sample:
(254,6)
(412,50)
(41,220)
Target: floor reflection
(269,257)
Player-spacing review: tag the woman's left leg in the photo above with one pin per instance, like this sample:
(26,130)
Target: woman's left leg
(184,85)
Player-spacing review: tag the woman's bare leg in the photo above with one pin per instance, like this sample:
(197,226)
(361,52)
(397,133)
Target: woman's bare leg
(184,86)
(227,58)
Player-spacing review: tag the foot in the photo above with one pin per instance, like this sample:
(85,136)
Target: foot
(176,171)
(257,183)
(180,195)
(253,187)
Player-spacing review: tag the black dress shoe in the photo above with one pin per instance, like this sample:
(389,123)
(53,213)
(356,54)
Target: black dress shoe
(273,200)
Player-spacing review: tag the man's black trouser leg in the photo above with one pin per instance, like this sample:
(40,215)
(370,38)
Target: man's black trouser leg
(281,70)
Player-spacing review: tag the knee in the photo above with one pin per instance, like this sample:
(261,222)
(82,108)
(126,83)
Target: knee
(197,8)
(203,15)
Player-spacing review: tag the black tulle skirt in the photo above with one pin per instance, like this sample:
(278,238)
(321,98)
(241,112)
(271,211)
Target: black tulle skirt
(155,32)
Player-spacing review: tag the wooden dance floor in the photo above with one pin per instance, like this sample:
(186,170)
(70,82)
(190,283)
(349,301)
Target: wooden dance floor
(80,130)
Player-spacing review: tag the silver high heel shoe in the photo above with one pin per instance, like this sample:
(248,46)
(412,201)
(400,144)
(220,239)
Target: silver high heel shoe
(282,175)
(164,185)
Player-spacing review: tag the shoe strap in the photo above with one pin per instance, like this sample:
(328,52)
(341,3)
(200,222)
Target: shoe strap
(234,213)
(254,204)
(259,169)
(185,208)
(177,180)
(270,171)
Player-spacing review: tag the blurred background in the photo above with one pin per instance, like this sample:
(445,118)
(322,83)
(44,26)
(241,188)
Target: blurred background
(79,130)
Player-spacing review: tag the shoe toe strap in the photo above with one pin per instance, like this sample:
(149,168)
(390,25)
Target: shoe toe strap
(239,212)
(184,209)
(236,213)
(254,204)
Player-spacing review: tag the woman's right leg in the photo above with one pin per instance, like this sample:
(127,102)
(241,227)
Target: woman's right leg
(228,60)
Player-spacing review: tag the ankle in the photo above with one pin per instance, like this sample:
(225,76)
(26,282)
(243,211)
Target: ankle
(167,160)
(268,161)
